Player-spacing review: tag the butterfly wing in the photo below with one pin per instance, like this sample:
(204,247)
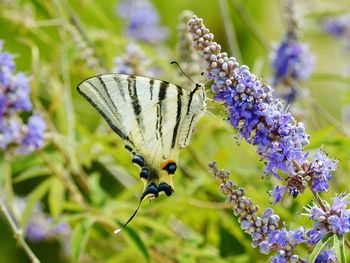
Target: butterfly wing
(154,117)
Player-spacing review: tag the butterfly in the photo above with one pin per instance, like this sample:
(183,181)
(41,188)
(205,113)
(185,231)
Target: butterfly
(154,118)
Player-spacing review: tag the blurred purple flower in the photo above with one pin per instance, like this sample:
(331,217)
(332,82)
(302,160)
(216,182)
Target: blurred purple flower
(292,61)
(34,138)
(15,136)
(337,26)
(41,227)
(134,62)
(143,21)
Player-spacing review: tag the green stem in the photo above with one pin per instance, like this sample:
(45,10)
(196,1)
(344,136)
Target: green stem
(319,200)
(250,24)
(74,191)
(18,233)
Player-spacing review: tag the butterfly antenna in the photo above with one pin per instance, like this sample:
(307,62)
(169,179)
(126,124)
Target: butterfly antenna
(117,231)
(183,72)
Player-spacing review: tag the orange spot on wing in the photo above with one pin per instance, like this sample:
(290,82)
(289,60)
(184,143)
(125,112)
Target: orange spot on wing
(164,163)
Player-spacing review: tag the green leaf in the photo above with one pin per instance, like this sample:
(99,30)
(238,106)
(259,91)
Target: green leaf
(32,200)
(31,172)
(6,179)
(319,246)
(339,248)
(80,237)
(138,242)
(56,197)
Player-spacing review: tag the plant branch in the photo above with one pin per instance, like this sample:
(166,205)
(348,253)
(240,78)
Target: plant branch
(18,233)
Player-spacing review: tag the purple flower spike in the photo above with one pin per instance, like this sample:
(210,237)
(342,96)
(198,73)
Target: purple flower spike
(253,110)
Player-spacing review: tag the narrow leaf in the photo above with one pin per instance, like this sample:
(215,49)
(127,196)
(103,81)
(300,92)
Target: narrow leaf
(31,172)
(319,246)
(80,237)
(56,197)
(6,180)
(339,248)
(138,242)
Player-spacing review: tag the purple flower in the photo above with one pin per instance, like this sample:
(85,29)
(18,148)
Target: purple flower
(34,138)
(321,169)
(337,26)
(41,227)
(278,193)
(15,136)
(10,132)
(284,242)
(7,65)
(143,21)
(336,219)
(326,256)
(292,60)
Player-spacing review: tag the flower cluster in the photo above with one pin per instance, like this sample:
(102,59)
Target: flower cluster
(333,219)
(326,256)
(263,230)
(257,114)
(337,26)
(291,61)
(42,228)
(15,136)
(143,21)
(134,62)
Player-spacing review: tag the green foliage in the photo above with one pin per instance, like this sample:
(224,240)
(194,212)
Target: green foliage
(84,176)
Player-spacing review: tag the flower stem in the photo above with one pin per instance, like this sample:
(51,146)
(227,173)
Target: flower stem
(18,233)
(319,200)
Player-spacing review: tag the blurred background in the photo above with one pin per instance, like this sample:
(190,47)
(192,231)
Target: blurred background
(77,184)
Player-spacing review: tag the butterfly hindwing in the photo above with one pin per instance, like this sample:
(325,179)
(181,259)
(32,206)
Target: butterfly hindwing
(154,117)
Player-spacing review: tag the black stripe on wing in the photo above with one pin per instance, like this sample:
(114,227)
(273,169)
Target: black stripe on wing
(178,116)
(161,96)
(151,84)
(135,102)
(108,120)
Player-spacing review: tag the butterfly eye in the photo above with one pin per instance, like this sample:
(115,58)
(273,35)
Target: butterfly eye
(137,159)
(170,167)
(144,173)
(167,189)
